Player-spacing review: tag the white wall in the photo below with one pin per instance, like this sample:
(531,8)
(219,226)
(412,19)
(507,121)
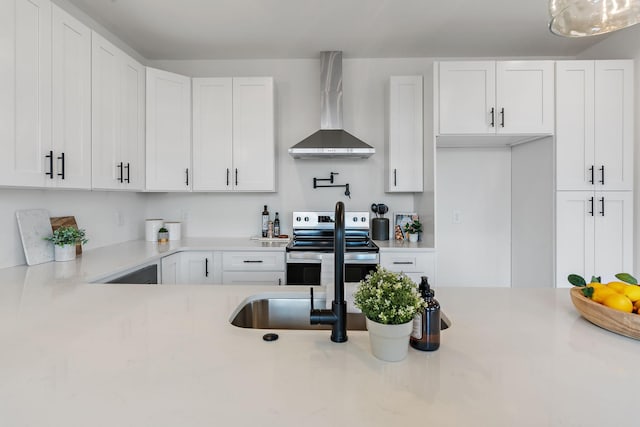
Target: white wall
(108,217)
(625,44)
(473,211)
(532,214)
(297,103)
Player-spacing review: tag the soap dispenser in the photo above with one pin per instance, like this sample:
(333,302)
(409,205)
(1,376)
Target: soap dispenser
(426,325)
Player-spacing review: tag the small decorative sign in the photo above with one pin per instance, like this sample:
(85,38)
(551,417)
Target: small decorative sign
(399,221)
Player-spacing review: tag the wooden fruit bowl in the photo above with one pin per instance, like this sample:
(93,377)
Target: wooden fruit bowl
(627,324)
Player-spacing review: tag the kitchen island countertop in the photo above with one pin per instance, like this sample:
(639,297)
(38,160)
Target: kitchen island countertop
(78,354)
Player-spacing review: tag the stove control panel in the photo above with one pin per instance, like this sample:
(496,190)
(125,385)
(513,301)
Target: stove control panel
(326,220)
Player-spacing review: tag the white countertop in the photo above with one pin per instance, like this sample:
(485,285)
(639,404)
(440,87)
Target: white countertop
(403,245)
(77,354)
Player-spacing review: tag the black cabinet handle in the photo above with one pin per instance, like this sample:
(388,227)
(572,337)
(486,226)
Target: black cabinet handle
(120,167)
(602,205)
(253,261)
(502,119)
(602,175)
(227,177)
(591,211)
(395,177)
(236,176)
(493,117)
(403,262)
(206,267)
(592,170)
(279,282)
(128,168)
(50,157)
(186,171)
(61,174)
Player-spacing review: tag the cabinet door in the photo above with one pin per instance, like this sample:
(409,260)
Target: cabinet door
(253,277)
(71,59)
(197,268)
(613,234)
(575,162)
(213,134)
(405,134)
(171,272)
(25,92)
(614,121)
(168,131)
(105,115)
(253,137)
(524,97)
(575,221)
(132,117)
(467,97)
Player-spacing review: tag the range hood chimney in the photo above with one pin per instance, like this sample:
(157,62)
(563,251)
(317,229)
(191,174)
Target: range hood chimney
(331,140)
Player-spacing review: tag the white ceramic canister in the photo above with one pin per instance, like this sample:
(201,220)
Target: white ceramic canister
(151,227)
(175,229)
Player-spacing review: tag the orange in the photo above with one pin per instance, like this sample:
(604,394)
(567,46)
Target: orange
(618,302)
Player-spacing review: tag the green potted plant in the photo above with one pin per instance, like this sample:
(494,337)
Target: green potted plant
(64,241)
(413,229)
(163,235)
(389,302)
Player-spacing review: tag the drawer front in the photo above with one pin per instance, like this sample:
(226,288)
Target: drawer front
(253,261)
(409,262)
(253,277)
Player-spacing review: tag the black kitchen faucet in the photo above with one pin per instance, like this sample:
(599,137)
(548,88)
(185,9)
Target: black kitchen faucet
(337,316)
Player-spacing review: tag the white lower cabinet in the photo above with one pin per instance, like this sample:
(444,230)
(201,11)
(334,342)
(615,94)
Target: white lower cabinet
(594,234)
(413,264)
(191,268)
(170,269)
(253,268)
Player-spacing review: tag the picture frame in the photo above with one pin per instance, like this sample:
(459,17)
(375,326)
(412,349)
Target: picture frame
(399,221)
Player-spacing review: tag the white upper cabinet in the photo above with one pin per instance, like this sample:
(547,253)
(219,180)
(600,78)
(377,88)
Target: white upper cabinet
(168,147)
(212,134)
(71,97)
(25,92)
(118,95)
(594,125)
(489,97)
(405,144)
(233,134)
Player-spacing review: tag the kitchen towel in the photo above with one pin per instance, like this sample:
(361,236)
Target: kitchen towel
(175,229)
(151,227)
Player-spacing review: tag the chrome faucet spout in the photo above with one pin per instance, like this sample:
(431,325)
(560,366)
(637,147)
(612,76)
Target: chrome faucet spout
(337,316)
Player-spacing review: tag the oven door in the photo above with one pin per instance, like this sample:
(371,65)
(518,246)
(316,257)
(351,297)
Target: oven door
(304,268)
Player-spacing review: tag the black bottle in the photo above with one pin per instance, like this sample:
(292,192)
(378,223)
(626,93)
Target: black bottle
(426,326)
(265,221)
(276,226)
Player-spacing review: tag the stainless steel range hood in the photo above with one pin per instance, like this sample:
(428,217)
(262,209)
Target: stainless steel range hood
(331,140)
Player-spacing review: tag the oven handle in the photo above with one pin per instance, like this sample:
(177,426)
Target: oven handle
(316,258)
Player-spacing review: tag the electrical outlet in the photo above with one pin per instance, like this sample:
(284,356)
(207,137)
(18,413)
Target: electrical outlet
(457,216)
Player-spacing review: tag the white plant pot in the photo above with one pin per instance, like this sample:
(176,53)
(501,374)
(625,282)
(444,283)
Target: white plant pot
(64,253)
(389,342)
(413,237)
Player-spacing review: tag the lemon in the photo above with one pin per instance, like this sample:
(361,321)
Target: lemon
(599,294)
(618,302)
(617,286)
(595,285)
(632,292)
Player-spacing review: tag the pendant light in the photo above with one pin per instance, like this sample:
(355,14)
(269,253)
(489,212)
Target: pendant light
(581,18)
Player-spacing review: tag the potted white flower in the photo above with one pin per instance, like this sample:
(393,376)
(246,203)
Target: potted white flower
(389,301)
(64,241)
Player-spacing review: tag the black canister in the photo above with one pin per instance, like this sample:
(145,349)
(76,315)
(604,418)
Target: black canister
(380,228)
(426,325)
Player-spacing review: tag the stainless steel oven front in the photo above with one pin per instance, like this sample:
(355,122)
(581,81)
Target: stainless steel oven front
(304,268)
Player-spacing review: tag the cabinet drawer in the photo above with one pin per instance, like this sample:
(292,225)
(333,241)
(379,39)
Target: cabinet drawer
(253,277)
(409,262)
(253,261)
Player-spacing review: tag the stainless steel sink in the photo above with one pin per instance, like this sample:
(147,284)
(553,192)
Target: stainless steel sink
(293,313)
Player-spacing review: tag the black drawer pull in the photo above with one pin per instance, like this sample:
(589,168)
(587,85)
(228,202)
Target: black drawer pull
(253,261)
(206,267)
(402,262)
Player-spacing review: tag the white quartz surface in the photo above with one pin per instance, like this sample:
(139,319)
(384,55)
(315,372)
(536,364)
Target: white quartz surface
(78,354)
(403,245)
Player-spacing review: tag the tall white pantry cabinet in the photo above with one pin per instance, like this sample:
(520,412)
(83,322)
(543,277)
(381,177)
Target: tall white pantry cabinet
(594,169)
(45,96)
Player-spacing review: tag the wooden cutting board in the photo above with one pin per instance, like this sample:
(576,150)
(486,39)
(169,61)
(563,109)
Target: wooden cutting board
(67,221)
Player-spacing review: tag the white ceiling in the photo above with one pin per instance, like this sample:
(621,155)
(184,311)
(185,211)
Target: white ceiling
(231,29)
